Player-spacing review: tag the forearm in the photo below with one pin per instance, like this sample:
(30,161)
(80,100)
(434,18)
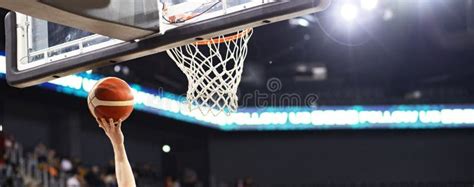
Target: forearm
(123,170)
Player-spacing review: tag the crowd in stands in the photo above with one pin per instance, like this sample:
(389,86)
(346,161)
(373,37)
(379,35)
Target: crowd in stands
(43,167)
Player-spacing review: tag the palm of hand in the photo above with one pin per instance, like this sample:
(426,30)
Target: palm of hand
(112,130)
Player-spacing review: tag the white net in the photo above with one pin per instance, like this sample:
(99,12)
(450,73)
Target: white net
(213,68)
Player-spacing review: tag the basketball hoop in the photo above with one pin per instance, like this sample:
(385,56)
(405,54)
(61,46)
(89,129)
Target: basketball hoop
(213,68)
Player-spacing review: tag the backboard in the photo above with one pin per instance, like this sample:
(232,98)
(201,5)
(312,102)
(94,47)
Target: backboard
(49,39)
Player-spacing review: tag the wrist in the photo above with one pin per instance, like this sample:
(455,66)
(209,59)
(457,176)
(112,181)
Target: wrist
(118,145)
(119,152)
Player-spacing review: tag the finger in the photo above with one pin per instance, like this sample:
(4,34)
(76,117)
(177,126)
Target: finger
(105,125)
(119,123)
(99,122)
(111,124)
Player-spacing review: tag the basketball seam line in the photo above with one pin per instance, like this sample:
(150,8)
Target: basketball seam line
(97,102)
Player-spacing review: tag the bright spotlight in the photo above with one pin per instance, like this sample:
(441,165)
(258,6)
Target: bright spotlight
(349,12)
(117,68)
(125,70)
(166,148)
(387,15)
(368,4)
(300,22)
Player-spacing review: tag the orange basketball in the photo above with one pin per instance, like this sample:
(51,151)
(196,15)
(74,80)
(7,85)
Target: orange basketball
(111,97)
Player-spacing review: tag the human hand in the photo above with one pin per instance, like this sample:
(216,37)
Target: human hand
(112,130)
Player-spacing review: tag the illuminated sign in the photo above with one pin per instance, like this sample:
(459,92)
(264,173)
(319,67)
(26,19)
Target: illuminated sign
(3,67)
(353,117)
(281,118)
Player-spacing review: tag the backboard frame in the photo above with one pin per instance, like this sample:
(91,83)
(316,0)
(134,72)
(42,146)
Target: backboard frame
(248,18)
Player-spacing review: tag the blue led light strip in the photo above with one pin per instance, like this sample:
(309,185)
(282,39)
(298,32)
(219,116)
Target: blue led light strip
(283,118)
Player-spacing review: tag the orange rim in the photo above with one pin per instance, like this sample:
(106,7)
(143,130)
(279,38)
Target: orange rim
(223,39)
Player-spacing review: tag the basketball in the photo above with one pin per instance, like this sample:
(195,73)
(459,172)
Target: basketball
(111,97)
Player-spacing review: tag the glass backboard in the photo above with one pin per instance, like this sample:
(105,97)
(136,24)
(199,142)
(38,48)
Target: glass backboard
(49,39)
(41,42)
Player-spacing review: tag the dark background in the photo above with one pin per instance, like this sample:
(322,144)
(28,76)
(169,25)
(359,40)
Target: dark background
(35,115)
(2,29)
(427,47)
